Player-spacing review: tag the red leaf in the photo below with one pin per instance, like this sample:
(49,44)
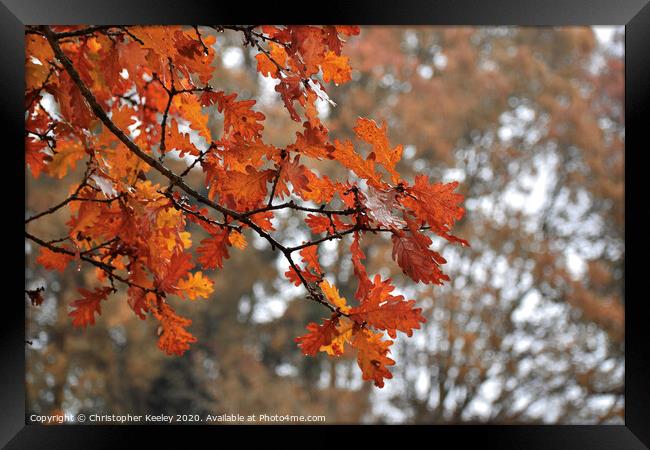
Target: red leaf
(412,253)
(88,305)
(179,265)
(318,336)
(213,250)
(53,260)
(290,89)
(292,275)
(322,224)
(359,268)
(35,158)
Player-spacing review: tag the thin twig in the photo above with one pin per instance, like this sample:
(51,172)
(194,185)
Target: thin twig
(198,34)
(107,268)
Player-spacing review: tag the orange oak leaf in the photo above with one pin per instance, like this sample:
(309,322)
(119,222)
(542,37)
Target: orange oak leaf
(176,140)
(132,57)
(348,30)
(36,47)
(412,253)
(243,190)
(372,356)
(436,204)
(214,250)
(74,107)
(209,98)
(239,154)
(53,260)
(334,43)
(190,108)
(319,223)
(290,90)
(123,117)
(194,56)
(263,220)
(310,257)
(368,131)
(178,266)
(318,336)
(138,298)
(321,188)
(312,141)
(293,276)
(87,215)
(267,65)
(35,157)
(238,117)
(311,45)
(387,312)
(336,68)
(345,154)
(174,339)
(295,173)
(66,157)
(344,331)
(307,274)
(85,308)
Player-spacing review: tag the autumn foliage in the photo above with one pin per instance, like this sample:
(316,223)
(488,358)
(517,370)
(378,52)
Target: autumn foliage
(124,98)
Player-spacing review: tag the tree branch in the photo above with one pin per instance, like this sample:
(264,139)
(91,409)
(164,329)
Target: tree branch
(173,178)
(293,205)
(103,117)
(107,268)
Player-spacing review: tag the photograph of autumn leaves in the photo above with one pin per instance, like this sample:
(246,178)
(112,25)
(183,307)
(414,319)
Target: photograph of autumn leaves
(324,224)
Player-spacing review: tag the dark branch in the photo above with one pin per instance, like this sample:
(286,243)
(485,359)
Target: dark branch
(107,268)
(173,178)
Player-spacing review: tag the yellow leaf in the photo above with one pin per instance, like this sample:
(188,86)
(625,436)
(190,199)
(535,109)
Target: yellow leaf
(168,218)
(196,285)
(237,239)
(333,296)
(186,237)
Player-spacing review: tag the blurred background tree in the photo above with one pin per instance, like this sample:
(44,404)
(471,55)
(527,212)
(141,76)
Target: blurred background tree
(529,330)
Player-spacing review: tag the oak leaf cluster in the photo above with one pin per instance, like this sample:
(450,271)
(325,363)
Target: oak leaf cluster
(122,99)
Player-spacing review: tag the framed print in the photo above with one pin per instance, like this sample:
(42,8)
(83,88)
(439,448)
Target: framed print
(406,218)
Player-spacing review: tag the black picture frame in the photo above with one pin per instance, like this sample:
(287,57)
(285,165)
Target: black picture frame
(633,14)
